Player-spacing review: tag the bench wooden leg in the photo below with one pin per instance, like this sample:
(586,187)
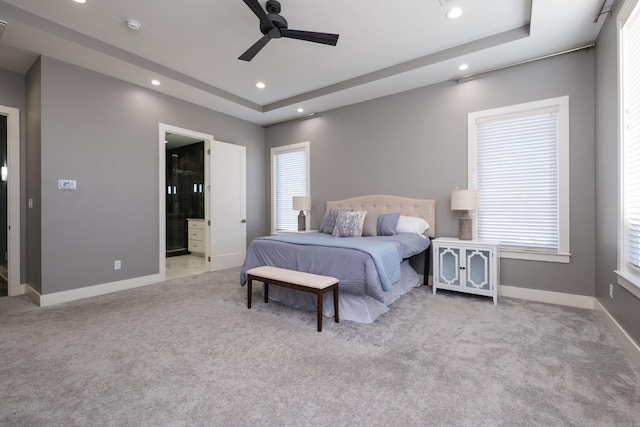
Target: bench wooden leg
(319,293)
(320,298)
(335,304)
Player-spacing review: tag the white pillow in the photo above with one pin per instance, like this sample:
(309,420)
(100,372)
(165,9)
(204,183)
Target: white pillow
(411,224)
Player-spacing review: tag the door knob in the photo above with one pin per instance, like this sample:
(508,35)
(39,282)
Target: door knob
(243,221)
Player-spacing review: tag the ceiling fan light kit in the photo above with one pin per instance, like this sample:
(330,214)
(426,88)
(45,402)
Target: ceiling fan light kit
(274,26)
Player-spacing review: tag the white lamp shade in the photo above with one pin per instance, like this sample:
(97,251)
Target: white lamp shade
(301,203)
(464,200)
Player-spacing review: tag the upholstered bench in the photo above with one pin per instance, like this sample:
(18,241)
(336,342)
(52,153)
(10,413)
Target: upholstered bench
(298,280)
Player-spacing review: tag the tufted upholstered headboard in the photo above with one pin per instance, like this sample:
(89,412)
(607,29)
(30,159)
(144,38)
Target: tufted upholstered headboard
(422,208)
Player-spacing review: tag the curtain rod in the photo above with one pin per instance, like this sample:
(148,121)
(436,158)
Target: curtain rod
(468,76)
(599,12)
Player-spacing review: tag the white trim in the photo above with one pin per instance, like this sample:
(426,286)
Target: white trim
(283,149)
(13,199)
(90,291)
(429,279)
(625,12)
(560,103)
(559,298)
(162,188)
(628,282)
(626,342)
(627,276)
(535,256)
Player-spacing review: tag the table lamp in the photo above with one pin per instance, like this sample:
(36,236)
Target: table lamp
(302,203)
(464,200)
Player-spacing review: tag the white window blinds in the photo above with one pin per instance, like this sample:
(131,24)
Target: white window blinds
(290,179)
(631,139)
(517,177)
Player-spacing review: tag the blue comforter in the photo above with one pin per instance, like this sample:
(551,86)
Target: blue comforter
(364,265)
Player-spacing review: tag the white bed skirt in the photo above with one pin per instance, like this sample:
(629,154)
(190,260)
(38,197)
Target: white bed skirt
(357,308)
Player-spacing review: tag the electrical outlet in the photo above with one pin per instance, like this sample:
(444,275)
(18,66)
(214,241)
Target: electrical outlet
(610,291)
(117,265)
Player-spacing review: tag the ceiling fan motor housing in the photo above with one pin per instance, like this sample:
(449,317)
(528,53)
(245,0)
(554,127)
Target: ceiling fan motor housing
(274,26)
(278,21)
(273,7)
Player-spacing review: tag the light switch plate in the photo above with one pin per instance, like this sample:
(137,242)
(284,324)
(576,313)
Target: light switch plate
(66,184)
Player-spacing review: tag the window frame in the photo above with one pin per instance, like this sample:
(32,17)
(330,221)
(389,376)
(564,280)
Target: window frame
(627,276)
(301,146)
(563,255)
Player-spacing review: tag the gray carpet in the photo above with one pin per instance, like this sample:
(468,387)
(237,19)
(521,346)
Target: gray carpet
(188,352)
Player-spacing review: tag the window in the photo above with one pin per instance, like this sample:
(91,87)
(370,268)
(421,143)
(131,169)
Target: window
(629,224)
(519,163)
(289,177)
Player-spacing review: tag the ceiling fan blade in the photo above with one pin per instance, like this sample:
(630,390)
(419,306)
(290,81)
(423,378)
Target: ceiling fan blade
(310,36)
(260,13)
(253,50)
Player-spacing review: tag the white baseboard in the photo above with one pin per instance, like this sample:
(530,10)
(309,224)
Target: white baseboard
(429,279)
(559,298)
(32,294)
(626,342)
(90,291)
(18,290)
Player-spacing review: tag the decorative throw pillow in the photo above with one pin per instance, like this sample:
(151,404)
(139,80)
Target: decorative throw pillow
(411,224)
(349,224)
(387,224)
(323,223)
(370,226)
(329,220)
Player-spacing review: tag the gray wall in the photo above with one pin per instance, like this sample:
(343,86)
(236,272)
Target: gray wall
(12,94)
(625,307)
(103,132)
(415,144)
(32,161)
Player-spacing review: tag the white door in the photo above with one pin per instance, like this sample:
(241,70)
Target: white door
(228,231)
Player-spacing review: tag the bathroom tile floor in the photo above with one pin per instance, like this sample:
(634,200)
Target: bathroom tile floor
(184,265)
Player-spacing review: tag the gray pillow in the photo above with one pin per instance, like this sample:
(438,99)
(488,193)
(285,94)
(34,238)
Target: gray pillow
(370,226)
(387,224)
(329,220)
(349,224)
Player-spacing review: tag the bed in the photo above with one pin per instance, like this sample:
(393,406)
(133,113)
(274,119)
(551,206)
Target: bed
(374,271)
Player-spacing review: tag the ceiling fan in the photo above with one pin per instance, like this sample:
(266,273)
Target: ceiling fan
(274,26)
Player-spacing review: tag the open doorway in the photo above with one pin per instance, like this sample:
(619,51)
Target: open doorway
(4,247)
(185,205)
(224,192)
(10,253)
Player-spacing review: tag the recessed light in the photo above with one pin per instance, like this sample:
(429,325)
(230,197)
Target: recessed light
(454,13)
(463,67)
(80,1)
(133,24)
(300,110)
(155,82)
(260,85)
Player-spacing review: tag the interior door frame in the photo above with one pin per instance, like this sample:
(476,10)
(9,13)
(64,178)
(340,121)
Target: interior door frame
(162,154)
(13,200)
